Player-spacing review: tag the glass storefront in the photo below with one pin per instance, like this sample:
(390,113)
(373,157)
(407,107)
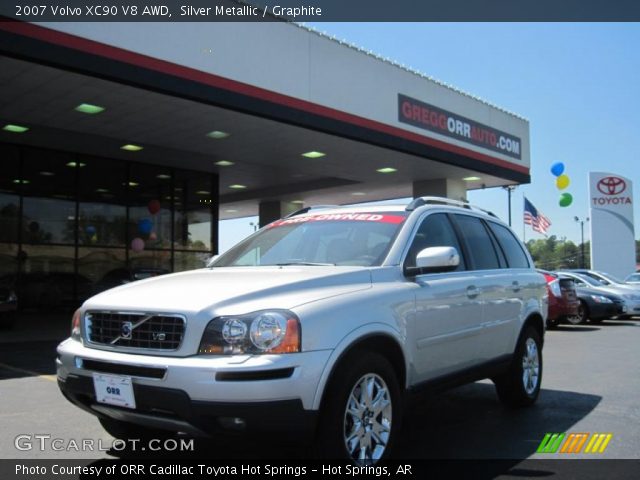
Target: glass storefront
(74,225)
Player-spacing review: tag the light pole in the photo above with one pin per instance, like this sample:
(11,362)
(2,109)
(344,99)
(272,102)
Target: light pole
(509,189)
(581,222)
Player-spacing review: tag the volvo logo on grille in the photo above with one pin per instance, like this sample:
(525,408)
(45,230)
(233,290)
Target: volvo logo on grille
(125,330)
(611,186)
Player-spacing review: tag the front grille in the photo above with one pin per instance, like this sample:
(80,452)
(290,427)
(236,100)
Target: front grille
(135,330)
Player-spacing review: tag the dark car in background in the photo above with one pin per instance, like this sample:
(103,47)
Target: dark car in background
(563,300)
(48,291)
(596,305)
(8,305)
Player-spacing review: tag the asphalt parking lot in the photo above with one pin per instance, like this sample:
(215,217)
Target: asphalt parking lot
(590,384)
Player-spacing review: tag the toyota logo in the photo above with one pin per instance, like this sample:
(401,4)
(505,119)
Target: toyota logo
(611,185)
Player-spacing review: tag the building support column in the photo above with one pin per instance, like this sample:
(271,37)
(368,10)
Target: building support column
(271,210)
(441,187)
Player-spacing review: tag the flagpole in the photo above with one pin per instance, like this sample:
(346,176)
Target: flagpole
(524,225)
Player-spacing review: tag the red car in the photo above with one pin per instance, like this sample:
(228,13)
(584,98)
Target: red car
(563,300)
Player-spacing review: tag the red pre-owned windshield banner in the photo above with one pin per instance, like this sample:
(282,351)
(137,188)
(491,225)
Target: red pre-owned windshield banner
(332,217)
(435,119)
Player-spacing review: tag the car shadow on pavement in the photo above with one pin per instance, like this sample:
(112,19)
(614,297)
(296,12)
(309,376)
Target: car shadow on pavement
(574,328)
(465,423)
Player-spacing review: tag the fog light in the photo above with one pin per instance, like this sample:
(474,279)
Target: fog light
(232,423)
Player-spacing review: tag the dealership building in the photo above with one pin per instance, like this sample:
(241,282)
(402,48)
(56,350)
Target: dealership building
(123,145)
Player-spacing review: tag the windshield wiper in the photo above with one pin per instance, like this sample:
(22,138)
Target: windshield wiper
(312,264)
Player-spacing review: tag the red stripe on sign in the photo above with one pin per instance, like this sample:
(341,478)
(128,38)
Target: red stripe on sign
(340,217)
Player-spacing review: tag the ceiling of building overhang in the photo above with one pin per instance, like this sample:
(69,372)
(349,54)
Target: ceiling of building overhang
(267,155)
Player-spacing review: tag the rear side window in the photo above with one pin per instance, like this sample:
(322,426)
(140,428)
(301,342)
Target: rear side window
(516,258)
(475,234)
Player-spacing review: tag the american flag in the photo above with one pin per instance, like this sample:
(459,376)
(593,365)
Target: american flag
(535,218)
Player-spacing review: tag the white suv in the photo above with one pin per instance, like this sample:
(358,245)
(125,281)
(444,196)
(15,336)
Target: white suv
(319,323)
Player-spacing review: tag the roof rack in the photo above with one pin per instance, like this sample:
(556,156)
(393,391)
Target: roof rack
(306,209)
(420,201)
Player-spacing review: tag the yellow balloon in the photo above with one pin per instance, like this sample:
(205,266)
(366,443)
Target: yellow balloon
(562,182)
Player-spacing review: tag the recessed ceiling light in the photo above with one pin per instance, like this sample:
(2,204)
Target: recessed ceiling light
(133,184)
(163,176)
(129,147)
(231,210)
(298,202)
(386,170)
(358,194)
(217,134)
(203,192)
(237,186)
(102,190)
(224,163)
(21,181)
(313,154)
(47,174)
(14,128)
(76,164)
(471,179)
(88,108)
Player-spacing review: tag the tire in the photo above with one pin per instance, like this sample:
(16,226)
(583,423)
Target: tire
(520,385)
(582,316)
(351,428)
(125,431)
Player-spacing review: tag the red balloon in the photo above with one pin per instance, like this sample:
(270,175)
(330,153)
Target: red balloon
(154,206)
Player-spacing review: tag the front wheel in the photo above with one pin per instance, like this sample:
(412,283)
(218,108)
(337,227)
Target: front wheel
(582,316)
(362,410)
(520,386)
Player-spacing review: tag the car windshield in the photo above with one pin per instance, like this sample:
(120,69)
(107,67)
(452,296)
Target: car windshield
(590,280)
(634,277)
(610,277)
(356,239)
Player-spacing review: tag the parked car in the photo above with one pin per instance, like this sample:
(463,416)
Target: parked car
(634,278)
(48,291)
(595,304)
(8,306)
(631,297)
(563,300)
(607,279)
(319,323)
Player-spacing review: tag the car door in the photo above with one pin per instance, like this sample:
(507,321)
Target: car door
(448,306)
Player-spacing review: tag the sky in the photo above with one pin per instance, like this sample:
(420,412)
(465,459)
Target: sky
(577,84)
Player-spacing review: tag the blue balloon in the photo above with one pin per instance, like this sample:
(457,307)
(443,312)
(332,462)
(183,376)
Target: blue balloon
(145,226)
(91,230)
(557,169)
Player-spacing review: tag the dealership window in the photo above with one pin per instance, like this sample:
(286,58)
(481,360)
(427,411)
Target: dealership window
(194,194)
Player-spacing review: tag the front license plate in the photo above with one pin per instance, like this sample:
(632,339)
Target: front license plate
(114,390)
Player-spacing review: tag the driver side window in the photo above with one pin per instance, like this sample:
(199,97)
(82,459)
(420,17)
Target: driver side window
(434,231)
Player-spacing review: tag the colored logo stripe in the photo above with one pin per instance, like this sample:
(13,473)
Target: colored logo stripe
(550,443)
(574,442)
(598,443)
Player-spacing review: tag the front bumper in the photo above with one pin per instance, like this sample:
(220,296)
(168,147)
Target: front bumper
(200,394)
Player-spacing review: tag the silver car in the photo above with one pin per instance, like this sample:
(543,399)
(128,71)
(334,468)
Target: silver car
(317,324)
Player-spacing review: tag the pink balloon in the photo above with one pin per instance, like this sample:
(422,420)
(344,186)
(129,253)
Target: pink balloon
(137,244)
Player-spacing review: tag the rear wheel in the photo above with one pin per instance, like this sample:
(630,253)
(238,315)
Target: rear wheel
(520,386)
(361,415)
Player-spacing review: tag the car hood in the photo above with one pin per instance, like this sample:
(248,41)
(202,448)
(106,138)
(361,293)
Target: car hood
(233,290)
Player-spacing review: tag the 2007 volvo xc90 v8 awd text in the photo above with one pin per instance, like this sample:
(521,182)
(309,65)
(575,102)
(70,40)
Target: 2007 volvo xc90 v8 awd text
(319,323)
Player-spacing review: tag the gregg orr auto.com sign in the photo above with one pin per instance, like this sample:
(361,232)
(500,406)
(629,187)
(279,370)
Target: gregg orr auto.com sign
(422,115)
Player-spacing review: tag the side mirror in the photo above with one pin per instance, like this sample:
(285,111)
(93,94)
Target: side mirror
(435,260)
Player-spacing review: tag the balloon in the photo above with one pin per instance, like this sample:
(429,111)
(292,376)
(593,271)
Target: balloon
(91,230)
(565,199)
(145,226)
(557,169)
(154,206)
(562,182)
(137,244)
(153,236)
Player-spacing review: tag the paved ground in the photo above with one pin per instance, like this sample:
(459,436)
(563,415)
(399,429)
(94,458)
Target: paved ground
(590,384)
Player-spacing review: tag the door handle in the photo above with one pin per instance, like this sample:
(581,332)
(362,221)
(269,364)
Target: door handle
(515,286)
(473,291)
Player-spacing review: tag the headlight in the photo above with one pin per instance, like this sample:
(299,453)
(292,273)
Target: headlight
(267,331)
(601,299)
(555,288)
(75,325)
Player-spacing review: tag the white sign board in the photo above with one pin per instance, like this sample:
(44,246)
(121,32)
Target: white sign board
(612,234)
